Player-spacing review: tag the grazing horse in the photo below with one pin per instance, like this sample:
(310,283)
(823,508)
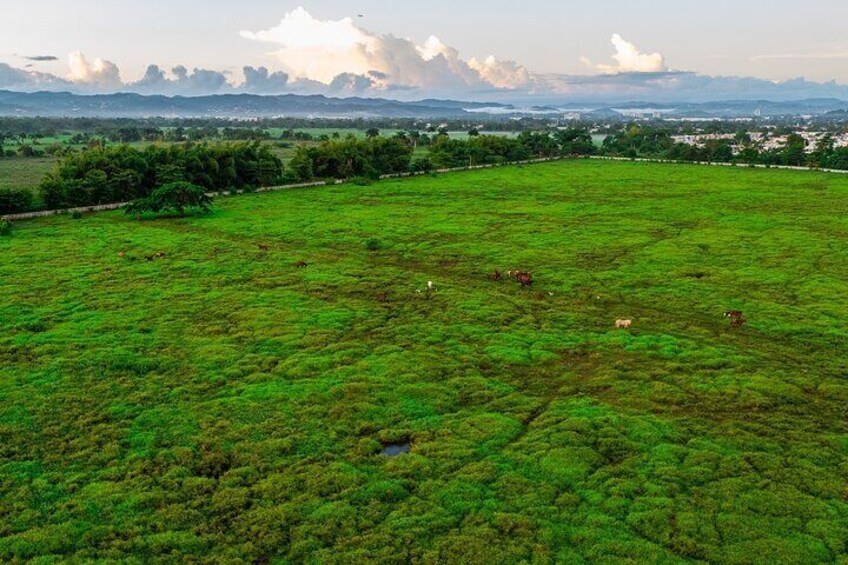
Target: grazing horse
(526,279)
(623,324)
(496,276)
(738,322)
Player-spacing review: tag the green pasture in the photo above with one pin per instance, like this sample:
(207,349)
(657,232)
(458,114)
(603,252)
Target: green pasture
(220,404)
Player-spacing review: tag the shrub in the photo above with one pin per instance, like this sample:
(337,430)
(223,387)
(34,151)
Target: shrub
(361,181)
(421,165)
(76,215)
(15,201)
(5,227)
(178,197)
(373,244)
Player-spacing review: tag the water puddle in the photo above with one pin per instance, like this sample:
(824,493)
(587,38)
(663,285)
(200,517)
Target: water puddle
(395,449)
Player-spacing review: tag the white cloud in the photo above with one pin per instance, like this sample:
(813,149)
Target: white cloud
(316,50)
(502,74)
(628,59)
(100,73)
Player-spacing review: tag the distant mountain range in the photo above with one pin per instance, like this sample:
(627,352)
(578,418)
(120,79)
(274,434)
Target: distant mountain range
(63,104)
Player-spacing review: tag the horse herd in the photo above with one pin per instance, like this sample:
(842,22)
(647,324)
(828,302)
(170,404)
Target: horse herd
(523,278)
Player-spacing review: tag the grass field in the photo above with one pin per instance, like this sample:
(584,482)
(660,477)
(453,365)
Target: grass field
(222,405)
(24,172)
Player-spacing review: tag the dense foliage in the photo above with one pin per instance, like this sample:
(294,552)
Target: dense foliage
(178,197)
(492,149)
(221,405)
(14,201)
(350,158)
(122,173)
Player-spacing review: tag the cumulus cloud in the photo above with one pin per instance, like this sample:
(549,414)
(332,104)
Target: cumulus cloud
(18,79)
(331,52)
(350,84)
(628,59)
(99,73)
(502,74)
(261,81)
(199,81)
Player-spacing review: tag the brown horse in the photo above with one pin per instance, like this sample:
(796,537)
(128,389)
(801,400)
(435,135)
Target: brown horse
(738,322)
(525,279)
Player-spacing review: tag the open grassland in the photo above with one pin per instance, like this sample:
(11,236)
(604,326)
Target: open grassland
(24,172)
(219,404)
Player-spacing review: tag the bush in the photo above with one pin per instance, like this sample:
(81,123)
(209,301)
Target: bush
(179,197)
(373,244)
(76,215)
(5,227)
(15,201)
(421,165)
(361,181)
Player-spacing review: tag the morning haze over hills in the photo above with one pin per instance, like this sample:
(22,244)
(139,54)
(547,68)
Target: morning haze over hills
(463,283)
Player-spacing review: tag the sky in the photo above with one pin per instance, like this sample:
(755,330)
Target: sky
(516,45)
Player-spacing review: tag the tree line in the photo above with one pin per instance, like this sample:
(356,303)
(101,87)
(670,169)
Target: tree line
(794,150)
(102,175)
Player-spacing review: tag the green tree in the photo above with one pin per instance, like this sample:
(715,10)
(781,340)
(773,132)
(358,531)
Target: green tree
(179,197)
(15,201)
(794,151)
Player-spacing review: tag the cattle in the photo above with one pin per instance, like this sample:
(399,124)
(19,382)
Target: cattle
(301,264)
(382,296)
(496,276)
(122,254)
(264,247)
(734,315)
(623,324)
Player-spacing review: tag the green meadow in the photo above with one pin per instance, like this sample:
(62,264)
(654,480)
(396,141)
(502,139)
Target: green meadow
(220,404)
(24,172)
